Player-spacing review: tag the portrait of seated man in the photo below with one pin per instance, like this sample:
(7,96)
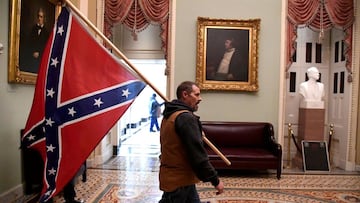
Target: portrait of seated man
(230,62)
(37,20)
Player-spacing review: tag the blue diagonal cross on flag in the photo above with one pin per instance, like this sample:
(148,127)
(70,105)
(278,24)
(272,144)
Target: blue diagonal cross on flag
(81,92)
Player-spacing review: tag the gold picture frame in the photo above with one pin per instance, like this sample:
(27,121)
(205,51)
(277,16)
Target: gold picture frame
(26,40)
(239,65)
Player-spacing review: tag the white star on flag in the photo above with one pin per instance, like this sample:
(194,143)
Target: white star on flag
(60,30)
(126,93)
(49,122)
(52,171)
(31,137)
(50,92)
(48,193)
(71,111)
(54,62)
(50,148)
(98,102)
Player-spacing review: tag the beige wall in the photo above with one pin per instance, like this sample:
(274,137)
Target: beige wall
(15,102)
(233,106)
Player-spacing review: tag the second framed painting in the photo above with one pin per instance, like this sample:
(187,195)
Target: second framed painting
(30,28)
(227,54)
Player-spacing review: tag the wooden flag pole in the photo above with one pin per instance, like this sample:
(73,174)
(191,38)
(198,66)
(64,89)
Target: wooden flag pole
(215,149)
(118,52)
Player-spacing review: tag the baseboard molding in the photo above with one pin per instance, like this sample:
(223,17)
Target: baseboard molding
(13,194)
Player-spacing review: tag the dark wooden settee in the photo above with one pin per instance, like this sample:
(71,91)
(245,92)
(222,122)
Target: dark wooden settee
(247,145)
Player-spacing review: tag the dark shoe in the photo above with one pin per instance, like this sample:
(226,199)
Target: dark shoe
(84,177)
(152,131)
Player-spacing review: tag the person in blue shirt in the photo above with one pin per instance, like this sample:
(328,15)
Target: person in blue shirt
(155,112)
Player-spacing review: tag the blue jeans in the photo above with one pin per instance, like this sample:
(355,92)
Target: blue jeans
(186,194)
(154,122)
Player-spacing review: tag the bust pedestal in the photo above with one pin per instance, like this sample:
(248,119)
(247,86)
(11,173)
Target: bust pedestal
(311,125)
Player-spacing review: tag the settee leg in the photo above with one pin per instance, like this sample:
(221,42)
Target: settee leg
(278,174)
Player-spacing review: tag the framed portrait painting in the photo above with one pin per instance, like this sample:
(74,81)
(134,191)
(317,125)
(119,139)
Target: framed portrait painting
(30,28)
(227,54)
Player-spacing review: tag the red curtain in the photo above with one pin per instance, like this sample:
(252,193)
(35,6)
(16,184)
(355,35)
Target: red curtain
(334,13)
(136,15)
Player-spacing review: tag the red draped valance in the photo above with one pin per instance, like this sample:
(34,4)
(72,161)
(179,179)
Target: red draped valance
(317,15)
(136,15)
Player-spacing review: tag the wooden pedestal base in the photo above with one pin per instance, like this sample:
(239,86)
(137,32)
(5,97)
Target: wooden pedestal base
(311,127)
(311,124)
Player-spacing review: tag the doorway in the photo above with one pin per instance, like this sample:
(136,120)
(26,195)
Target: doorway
(135,138)
(328,57)
(130,145)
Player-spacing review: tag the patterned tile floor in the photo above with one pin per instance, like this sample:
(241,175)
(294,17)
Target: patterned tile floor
(132,177)
(142,186)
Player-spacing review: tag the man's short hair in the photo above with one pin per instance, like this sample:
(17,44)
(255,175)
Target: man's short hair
(185,86)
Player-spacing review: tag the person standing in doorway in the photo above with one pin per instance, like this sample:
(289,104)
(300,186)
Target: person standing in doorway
(183,159)
(155,112)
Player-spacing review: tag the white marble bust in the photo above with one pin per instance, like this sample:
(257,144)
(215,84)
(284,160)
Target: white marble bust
(311,91)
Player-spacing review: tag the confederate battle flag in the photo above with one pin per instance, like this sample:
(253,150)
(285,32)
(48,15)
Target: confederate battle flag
(81,92)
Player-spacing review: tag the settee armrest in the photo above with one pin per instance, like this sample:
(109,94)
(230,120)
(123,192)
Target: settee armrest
(274,147)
